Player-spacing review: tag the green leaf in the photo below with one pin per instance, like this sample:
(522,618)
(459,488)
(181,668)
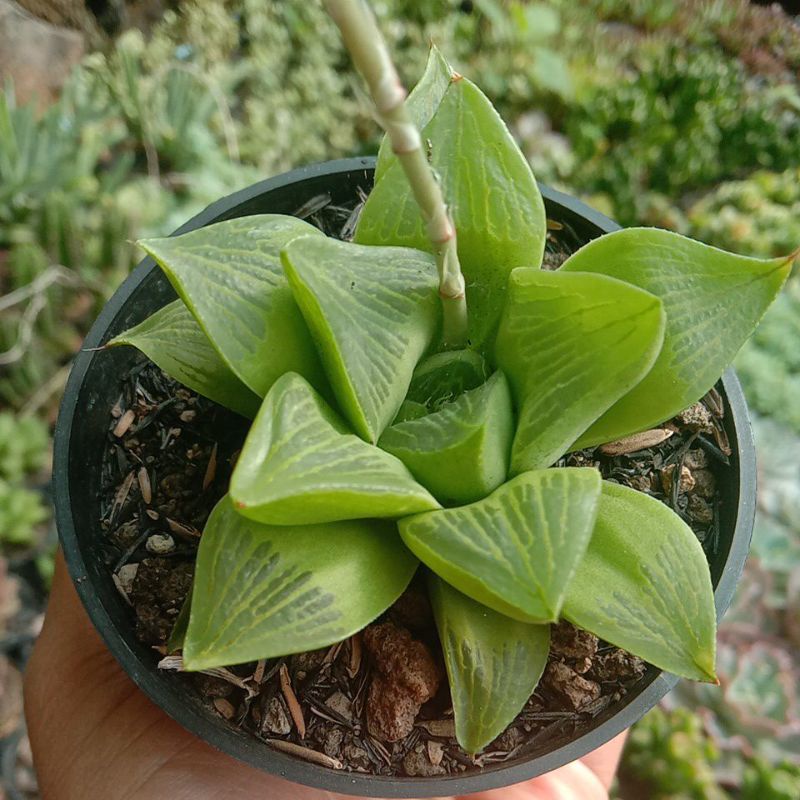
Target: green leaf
(492,194)
(493,663)
(571,345)
(516,550)
(300,465)
(230,276)
(644,585)
(459,453)
(172,338)
(442,377)
(410,410)
(421,103)
(541,22)
(551,71)
(178,635)
(713,301)
(373,312)
(262,592)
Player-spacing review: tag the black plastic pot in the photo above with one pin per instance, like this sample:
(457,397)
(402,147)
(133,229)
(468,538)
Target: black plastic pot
(80,434)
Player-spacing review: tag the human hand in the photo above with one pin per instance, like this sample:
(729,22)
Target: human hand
(95,736)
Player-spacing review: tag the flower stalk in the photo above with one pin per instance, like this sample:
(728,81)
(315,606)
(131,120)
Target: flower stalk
(368,50)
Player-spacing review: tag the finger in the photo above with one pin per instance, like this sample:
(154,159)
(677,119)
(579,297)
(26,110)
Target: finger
(94,734)
(65,616)
(589,778)
(605,760)
(575,781)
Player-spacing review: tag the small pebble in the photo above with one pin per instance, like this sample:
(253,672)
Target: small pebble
(160,544)
(700,510)
(225,707)
(339,703)
(418,764)
(435,752)
(439,727)
(697,418)
(573,690)
(696,459)
(705,485)
(332,744)
(126,575)
(356,756)
(686,482)
(276,719)
(572,642)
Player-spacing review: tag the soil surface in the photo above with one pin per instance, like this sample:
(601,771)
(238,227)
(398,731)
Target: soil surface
(378,702)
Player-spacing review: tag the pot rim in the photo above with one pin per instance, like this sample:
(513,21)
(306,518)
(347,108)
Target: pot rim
(243,746)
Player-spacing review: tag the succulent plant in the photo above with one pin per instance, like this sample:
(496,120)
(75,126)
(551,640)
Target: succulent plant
(679,118)
(764,781)
(672,755)
(24,445)
(757,215)
(21,510)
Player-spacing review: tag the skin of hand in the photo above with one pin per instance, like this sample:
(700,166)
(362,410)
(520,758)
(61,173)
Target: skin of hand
(95,736)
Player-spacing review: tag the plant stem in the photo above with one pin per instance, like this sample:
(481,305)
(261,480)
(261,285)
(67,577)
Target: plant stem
(368,51)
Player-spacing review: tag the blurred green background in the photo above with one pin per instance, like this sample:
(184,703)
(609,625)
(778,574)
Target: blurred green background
(684,115)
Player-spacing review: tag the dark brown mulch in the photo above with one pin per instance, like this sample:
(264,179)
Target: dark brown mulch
(168,460)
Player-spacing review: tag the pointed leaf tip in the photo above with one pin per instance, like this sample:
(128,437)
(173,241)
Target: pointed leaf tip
(373,312)
(172,339)
(516,550)
(706,664)
(493,663)
(488,184)
(263,592)
(300,465)
(650,595)
(713,302)
(230,277)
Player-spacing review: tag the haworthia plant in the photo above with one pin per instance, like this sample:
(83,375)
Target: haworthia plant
(172,339)
(367,415)
(300,465)
(460,452)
